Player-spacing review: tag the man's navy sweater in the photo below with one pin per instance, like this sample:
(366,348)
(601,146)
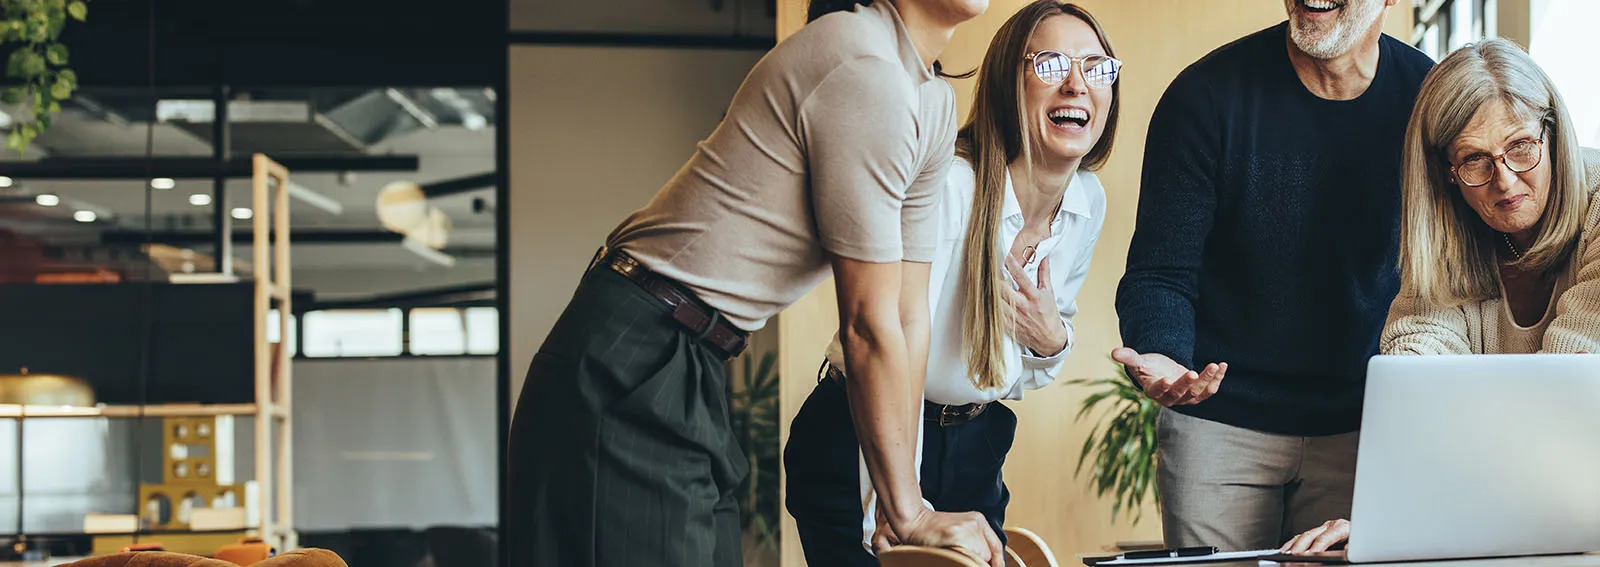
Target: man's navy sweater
(1268,233)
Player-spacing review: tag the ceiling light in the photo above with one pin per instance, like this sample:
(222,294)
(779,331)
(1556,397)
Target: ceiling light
(5,181)
(47,200)
(84,216)
(242,213)
(163,183)
(199,199)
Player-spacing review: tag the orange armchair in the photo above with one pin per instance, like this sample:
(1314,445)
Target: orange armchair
(296,558)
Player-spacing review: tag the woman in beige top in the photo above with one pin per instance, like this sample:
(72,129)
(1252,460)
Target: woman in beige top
(1500,238)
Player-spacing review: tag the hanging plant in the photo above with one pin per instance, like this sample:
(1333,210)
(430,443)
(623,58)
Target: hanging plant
(37,76)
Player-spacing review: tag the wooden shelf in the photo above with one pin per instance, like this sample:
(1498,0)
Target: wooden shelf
(14,411)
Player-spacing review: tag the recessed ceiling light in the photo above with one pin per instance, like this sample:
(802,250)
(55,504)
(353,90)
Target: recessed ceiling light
(163,183)
(5,181)
(47,200)
(199,199)
(84,216)
(242,213)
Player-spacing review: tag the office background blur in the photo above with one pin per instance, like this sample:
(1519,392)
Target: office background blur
(455,167)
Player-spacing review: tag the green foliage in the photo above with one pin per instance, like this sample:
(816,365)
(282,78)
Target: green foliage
(1121,449)
(36,69)
(754,413)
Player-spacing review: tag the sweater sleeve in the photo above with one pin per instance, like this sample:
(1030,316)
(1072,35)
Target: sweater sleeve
(1414,327)
(1177,203)
(1577,323)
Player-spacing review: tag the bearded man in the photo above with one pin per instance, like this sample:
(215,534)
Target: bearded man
(1265,250)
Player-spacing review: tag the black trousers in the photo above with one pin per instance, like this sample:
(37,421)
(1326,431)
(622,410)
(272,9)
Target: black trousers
(960,473)
(621,452)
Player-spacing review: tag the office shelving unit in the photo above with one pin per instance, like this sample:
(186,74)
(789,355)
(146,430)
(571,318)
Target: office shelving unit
(273,377)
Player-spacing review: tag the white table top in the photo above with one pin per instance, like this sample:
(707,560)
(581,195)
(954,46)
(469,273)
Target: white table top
(1588,560)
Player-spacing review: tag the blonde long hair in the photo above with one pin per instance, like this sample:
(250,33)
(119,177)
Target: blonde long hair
(993,138)
(1447,252)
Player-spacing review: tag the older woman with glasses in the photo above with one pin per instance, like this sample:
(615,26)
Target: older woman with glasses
(1500,241)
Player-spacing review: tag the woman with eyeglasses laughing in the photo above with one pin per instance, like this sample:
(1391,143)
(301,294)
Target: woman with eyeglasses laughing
(1018,219)
(1500,233)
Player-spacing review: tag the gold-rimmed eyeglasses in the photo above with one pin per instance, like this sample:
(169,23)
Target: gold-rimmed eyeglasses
(1053,67)
(1478,170)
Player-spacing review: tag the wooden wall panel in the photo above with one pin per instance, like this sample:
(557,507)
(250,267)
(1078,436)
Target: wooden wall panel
(1156,39)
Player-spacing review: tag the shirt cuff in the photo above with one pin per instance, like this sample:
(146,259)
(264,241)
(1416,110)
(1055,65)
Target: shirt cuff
(1032,361)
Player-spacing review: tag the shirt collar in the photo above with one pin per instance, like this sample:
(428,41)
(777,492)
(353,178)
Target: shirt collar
(908,50)
(1074,201)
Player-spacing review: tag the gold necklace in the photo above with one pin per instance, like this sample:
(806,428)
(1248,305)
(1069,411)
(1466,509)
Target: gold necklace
(1514,253)
(1028,251)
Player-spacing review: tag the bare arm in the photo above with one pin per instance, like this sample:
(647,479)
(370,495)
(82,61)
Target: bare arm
(880,392)
(883,320)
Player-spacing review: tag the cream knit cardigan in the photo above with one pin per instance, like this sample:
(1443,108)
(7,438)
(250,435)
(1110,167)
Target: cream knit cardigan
(1417,328)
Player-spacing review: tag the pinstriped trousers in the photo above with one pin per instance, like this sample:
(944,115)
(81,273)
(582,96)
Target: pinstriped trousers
(621,452)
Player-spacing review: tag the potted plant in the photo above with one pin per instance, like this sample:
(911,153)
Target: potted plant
(754,412)
(1121,449)
(37,77)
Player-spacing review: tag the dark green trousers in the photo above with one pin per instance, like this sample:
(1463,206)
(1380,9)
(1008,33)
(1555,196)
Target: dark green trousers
(621,452)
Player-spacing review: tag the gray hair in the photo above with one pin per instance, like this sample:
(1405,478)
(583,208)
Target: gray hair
(1446,250)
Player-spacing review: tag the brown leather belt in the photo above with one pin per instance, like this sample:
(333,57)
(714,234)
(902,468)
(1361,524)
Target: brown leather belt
(707,323)
(944,414)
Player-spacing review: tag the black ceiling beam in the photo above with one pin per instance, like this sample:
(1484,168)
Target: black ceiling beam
(180,237)
(192,168)
(641,40)
(459,185)
(352,236)
(436,297)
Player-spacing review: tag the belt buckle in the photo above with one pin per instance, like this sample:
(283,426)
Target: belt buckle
(947,413)
(624,265)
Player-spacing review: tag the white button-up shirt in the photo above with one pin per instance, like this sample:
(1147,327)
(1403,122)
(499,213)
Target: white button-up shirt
(1070,246)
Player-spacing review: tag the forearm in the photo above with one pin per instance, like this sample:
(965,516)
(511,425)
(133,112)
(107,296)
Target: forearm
(916,322)
(1413,327)
(883,404)
(1156,316)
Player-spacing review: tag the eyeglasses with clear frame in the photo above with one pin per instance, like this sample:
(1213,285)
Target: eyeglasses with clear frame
(1053,68)
(1480,169)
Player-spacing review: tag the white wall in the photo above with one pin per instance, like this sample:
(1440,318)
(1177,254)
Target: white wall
(707,18)
(1564,45)
(594,134)
(380,443)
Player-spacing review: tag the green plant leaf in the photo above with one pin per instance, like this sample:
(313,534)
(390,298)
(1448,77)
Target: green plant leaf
(38,27)
(78,10)
(32,64)
(1120,450)
(55,108)
(14,63)
(14,140)
(12,95)
(69,76)
(56,54)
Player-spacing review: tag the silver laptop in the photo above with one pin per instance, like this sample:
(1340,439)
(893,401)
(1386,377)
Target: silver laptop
(1478,456)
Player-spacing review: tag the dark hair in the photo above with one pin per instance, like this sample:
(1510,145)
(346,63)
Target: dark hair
(820,8)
